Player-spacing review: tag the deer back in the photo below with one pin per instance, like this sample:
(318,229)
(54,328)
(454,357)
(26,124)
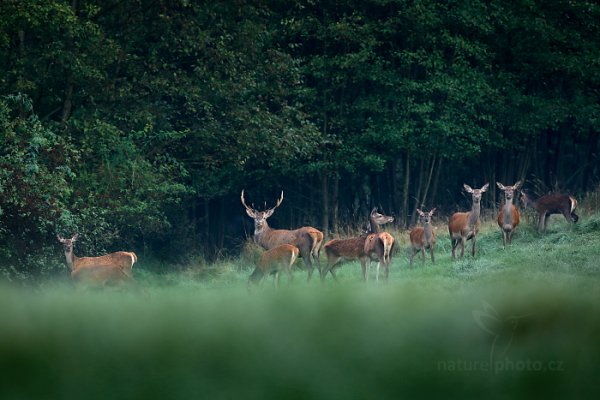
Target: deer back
(301,237)
(120,259)
(555,203)
(282,256)
(353,248)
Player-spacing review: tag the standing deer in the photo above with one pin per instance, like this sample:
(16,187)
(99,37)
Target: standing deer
(307,239)
(547,205)
(274,261)
(360,248)
(423,237)
(464,226)
(508,217)
(379,245)
(111,268)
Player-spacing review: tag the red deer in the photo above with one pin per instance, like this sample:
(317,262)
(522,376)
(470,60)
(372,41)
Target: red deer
(356,248)
(547,205)
(274,261)
(464,226)
(379,245)
(307,239)
(423,237)
(113,268)
(508,217)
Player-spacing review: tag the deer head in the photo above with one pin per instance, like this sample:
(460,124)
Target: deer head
(260,217)
(426,216)
(68,243)
(377,218)
(509,191)
(476,193)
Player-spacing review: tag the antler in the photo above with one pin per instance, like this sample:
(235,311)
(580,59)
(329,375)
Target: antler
(244,202)
(279,201)
(269,212)
(251,211)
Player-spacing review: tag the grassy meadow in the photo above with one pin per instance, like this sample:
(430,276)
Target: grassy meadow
(517,322)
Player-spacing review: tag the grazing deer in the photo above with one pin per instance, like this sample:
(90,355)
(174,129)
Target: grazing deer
(378,245)
(464,226)
(274,261)
(307,239)
(423,237)
(508,217)
(547,205)
(111,268)
(360,248)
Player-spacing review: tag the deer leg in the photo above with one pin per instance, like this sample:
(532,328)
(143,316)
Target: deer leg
(377,273)
(546,217)
(567,215)
(386,271)
(423,255)
(365,264)
(316,257)
(473,247)
(454,246)
(276,280)
(412,256)
(432,256)
(463,241)
(541,222)
(333,274)
(288,271)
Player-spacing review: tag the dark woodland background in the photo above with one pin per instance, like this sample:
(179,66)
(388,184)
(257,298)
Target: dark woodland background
(138,123)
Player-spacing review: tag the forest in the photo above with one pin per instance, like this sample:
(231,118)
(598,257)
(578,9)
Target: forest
(137,124)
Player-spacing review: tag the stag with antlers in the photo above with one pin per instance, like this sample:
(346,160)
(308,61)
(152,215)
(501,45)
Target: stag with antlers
(307,239)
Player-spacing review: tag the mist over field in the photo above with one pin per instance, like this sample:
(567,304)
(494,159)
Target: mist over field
(519,322)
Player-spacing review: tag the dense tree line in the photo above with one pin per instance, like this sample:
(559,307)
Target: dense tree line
(137,123)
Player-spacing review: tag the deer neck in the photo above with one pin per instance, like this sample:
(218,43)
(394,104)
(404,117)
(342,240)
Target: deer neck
(261,234)
(474,214)
(529,202)
(428,231)
(70,256)
(508,213)
(373,226)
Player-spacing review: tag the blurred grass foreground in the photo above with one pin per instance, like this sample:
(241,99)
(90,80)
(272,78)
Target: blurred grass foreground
(512,323)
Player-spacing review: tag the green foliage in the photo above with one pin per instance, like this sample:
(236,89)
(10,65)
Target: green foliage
(137,123)
(34,181)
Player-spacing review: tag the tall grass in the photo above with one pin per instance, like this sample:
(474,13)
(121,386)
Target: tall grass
(517,322)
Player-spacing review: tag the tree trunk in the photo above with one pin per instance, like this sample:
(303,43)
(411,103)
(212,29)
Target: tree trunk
(325,205)
(436,181)
(588,170)
(428,184)
(405,191)
(413,215)
(335,202)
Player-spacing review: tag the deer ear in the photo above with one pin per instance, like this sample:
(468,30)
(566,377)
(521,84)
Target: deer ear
(60,239)
(250,213)
(500,186)
(432,211)
(421,213)
(75,236)
(468,188)
(374,210)
(517,185)
(485,187)
(268,213)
